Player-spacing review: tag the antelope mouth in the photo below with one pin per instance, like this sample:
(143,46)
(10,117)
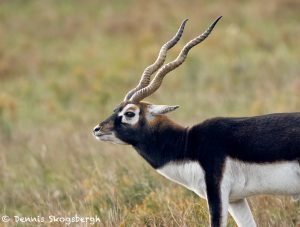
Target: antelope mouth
(101,134)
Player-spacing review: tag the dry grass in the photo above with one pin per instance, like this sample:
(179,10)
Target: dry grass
(64,65)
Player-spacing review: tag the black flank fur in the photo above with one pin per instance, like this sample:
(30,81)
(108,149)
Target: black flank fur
(262,139)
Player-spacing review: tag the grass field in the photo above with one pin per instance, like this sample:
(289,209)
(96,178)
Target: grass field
(64,65)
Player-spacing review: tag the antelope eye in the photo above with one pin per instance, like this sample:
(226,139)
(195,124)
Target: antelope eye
(129,114)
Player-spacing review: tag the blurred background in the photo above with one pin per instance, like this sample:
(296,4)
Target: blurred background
(64,66)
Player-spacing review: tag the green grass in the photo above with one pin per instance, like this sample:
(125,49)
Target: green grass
(64,65)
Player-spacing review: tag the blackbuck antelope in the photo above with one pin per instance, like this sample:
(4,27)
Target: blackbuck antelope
(224,160)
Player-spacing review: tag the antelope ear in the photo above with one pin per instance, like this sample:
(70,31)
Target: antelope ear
(161,109)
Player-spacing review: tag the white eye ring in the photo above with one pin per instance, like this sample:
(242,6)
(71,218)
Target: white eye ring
(129,114)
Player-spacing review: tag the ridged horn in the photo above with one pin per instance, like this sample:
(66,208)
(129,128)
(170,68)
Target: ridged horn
(157,80)
(145,78)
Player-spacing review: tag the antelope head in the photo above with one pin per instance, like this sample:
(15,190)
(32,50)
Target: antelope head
(132,118)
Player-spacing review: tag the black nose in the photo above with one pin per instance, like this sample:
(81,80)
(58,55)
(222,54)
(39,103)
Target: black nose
(97,128)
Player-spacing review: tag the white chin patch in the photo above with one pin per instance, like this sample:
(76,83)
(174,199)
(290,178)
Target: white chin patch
(110,138)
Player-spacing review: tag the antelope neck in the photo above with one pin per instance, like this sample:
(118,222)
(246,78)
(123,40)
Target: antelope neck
(168,144)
